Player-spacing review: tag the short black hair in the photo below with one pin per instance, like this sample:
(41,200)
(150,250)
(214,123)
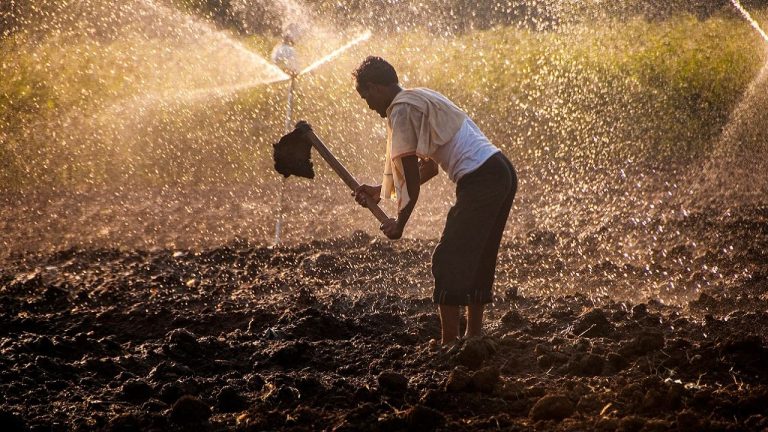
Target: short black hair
(375,70)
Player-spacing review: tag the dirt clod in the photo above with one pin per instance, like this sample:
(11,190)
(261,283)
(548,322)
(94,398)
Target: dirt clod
(12,422)
(593,323)
(124,423)
(475,351)
(644,343)
(136,390)
(486,379)
(392,382)
(230,399)
(189,410)
(458,380)
(552,407)
(421,418)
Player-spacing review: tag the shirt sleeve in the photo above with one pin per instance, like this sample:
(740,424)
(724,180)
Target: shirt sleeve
(405,122)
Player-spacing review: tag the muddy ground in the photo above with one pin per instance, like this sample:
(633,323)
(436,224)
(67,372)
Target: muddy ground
(335,334)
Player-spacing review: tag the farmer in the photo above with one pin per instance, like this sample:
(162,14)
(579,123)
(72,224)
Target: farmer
(424,130)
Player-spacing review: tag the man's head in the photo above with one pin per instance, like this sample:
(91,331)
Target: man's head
(376,82)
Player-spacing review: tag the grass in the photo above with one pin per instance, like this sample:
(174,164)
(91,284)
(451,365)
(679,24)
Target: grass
(678,74)
(604,91)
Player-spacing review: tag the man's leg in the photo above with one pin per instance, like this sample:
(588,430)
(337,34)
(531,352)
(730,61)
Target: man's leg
(487,268)
(469,224)
(475,320)
(449,323)
(480,197)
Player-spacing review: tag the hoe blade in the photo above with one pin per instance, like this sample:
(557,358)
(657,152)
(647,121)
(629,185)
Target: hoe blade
(292,155)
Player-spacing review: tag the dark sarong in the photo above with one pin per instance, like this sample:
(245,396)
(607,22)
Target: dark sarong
(464,261)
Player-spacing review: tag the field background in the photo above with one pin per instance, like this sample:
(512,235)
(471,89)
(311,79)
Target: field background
(140,288)
(109,136)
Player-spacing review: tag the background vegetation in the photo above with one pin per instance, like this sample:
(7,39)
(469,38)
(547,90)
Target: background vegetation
(608,90)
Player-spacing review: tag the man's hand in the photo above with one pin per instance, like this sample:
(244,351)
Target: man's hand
(365,191)
(392,229)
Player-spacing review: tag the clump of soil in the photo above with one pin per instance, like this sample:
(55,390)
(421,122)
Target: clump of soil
(336,334)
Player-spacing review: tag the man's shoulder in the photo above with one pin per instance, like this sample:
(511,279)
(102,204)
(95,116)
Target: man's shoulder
(422,97)
(400,111)
(421,92)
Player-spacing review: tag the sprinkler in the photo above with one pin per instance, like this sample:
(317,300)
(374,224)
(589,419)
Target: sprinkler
(284,56)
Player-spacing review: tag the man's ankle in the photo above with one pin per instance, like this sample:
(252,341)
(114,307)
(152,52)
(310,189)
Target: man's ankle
(449,341)
(468,335)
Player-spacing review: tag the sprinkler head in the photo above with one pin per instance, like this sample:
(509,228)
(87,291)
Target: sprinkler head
(284,56)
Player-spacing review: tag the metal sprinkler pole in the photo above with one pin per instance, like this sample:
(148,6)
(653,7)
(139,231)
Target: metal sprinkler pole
(281,200)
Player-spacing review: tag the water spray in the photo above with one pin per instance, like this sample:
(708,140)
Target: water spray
(260,71)
(755,25)
(363,37)
(733,151)
(218,35)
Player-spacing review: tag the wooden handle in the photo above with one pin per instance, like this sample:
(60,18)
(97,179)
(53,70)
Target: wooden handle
(340,170)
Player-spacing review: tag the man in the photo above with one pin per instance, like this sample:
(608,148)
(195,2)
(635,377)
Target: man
(424,130)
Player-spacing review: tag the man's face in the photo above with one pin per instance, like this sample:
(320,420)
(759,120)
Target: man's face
(373,94)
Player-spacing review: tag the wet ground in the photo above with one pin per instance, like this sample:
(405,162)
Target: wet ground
(335,334)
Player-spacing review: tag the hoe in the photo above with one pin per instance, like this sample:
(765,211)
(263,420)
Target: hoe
(292,157)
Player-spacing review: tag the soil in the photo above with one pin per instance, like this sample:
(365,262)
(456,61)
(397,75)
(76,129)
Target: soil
(337,335)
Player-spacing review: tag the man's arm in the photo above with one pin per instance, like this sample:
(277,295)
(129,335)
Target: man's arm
(392,228)
(427,170)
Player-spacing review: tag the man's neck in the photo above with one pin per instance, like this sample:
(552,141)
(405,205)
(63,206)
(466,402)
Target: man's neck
(393,90)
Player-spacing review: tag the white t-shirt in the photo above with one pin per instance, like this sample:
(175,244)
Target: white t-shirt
(464,153)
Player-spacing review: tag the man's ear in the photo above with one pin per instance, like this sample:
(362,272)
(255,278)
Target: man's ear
(376,88)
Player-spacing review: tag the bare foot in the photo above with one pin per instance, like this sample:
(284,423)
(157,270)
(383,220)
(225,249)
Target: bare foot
(436,345)
(450,342)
